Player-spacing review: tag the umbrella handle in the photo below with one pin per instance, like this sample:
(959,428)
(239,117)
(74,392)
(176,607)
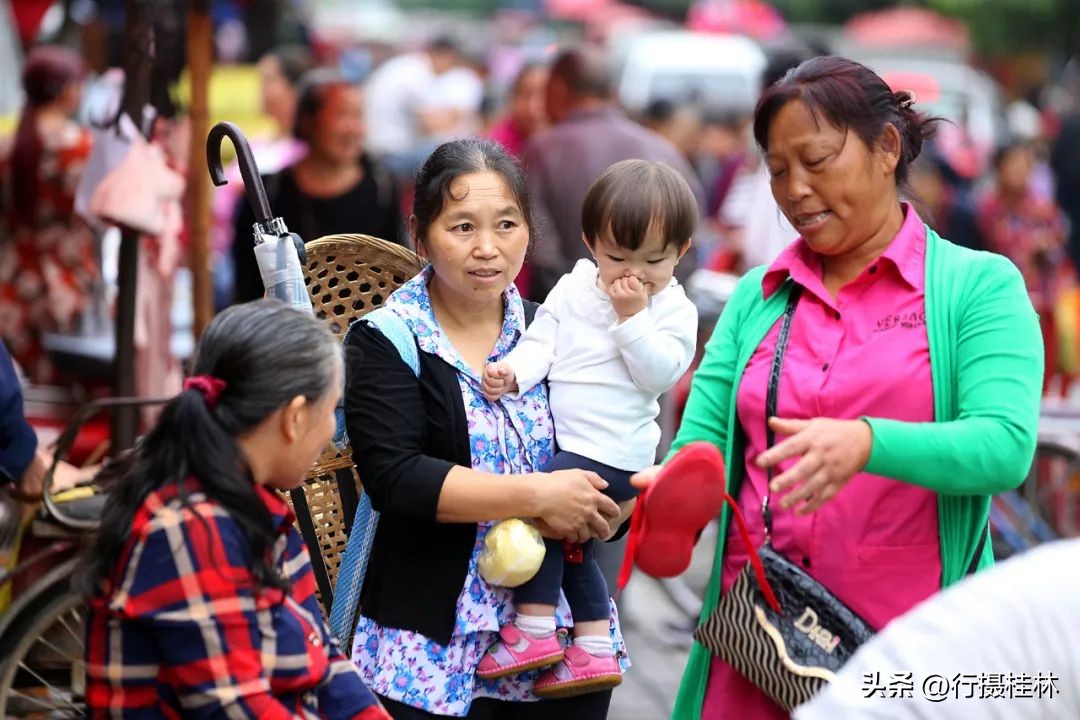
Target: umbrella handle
(253,184)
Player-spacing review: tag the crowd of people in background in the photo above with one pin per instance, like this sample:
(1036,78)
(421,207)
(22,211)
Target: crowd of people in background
(343,151)
(414,101)
(375,155)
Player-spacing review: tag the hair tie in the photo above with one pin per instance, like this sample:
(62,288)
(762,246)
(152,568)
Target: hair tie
(907,102)
(210,387)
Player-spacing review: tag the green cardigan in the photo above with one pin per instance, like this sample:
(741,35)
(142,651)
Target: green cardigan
(986,362)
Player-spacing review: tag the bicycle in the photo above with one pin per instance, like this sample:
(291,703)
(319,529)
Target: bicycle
(42,666)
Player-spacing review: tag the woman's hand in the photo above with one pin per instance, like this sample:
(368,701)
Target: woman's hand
(832,452)
(571,505)
(644,478)
(549,532)
(30,486)
(68,476)
(625,510)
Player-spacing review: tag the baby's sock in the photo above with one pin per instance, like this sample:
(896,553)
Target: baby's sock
(596,645)
(535,625)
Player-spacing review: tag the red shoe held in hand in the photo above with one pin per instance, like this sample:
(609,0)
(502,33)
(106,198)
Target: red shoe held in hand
(671,513)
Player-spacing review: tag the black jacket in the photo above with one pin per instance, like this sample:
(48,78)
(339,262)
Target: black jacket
(406,434)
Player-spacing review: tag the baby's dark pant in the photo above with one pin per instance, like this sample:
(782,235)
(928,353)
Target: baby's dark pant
(584,585)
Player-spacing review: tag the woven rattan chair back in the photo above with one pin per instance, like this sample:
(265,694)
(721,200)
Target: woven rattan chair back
(346,276)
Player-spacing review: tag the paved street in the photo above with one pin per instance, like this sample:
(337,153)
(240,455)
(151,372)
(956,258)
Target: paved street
(658,639)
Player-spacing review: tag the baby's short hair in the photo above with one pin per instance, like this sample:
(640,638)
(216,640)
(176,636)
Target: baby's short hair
(632,196)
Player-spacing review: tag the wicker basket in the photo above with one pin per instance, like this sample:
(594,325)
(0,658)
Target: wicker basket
(346,276)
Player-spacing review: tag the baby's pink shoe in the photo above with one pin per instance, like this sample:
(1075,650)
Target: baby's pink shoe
(577,674)
(518,652)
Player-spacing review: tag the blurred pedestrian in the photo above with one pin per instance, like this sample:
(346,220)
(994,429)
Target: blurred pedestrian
(679,123)
(280,72)
(1031,232)
(949,207)
(724,150)
(1065,160)
(23,464)
(909,390)
(588,134)
(526,116)
(451,107)
(415,96)
(48,258)
(336,188)
(754,229)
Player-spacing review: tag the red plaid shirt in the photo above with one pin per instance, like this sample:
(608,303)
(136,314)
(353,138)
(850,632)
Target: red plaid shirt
(181,630)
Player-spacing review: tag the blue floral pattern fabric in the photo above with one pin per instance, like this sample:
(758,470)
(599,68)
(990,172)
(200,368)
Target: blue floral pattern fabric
(507,437)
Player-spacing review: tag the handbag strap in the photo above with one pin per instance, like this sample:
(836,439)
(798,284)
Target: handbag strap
(772,393)
(770,438)
(978,551)
(751,551)
(770,410)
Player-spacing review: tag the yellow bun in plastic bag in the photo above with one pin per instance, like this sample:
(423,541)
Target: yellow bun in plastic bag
(513,551)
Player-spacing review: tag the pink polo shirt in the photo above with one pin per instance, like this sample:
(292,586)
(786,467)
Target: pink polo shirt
(875,545)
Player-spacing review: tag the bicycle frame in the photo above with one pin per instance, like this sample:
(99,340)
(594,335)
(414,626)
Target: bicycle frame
(59,557)
(53,511)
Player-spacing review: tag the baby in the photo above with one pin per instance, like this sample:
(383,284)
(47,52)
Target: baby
(610,339)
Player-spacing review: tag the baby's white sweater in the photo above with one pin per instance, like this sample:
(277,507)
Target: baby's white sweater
(605,377)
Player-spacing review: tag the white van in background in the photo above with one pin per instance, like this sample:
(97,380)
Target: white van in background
(948,88)
(717,72)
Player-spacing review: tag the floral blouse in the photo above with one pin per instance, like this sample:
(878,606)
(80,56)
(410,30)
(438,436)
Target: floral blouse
(507,437)
(48,269)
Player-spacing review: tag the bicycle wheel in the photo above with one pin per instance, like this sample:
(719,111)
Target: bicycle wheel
(1052,487)
(44,672)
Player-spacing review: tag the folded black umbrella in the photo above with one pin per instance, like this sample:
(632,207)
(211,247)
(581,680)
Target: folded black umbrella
(279,253)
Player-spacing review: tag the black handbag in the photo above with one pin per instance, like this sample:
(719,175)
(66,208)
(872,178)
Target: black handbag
(778,626)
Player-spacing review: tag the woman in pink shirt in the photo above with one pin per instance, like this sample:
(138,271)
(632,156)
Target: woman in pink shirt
(910,385)
(526,114)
